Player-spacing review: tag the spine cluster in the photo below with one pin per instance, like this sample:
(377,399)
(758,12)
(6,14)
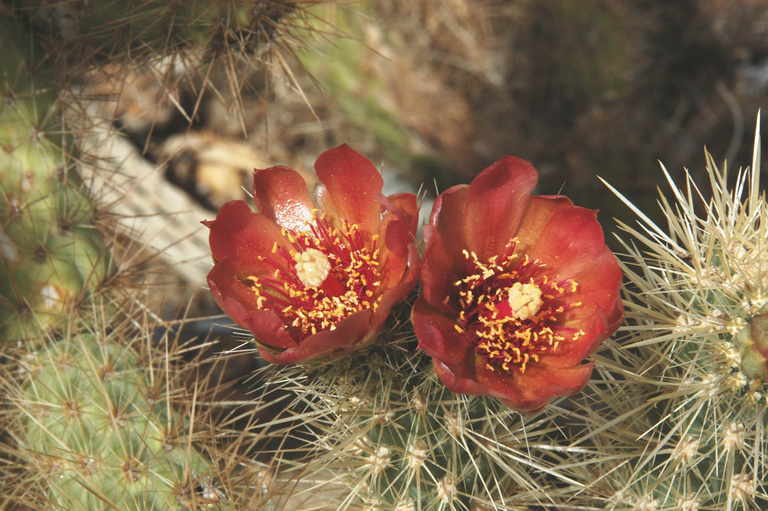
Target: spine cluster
(104,436)
(51,254)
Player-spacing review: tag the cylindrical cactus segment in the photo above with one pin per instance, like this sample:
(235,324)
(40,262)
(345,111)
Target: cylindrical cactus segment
(50,251)
(397,438)
(103,437)
(696,304)
(427,458)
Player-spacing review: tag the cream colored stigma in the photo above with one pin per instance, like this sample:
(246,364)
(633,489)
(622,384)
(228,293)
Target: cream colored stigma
(524,300)
(312,267)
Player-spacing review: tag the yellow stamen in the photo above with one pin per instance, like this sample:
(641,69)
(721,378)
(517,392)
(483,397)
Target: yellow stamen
(515,307)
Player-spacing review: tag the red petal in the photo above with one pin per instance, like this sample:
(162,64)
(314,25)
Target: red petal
(449,214)
(351,331)
(537,215)
(599,283)
(497,200)
(541,384)
(353,186)
(439,271)
(281,194)
(570,242)
(456,384)
(400,223)
(533,389)
(593,323)
(240,235)
(398,244)
(230,294)
(237,300)
(269,330)
(399,234)
(404,205)
(438,339)
(615,317)
(398,293)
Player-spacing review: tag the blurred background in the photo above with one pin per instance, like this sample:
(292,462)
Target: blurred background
(433,92)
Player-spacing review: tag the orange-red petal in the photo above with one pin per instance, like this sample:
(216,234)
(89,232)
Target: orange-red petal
(234,297)
(533,389)
(281,194)
(593,325)
(570,241)
(438,339)
(449,214)
(537,215)
(268,329)
(398,231)
(456,383)
(240,235)
(348,333)
(353,186)
(538,385)
(572,244)
(405,206)
(239,303)
(496,203)
(396,294)
(442,270)
(599,284)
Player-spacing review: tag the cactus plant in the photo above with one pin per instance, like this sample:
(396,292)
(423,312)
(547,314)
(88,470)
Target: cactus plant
(105,443)
(51,254)
(101,419)
(92,32)
(393,437)
(50,251)
(695,425)
(491,324)
(674,421)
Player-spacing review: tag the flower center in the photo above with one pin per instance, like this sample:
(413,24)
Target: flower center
(524,300)
(515,308)
(320,277)
(312,267)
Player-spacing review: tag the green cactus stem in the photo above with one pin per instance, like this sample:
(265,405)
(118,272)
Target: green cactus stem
(104,441)
(696,308)
(51,254)
(395,438)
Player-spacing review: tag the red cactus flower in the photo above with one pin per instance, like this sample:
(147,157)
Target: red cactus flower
(516,289)
(312,278)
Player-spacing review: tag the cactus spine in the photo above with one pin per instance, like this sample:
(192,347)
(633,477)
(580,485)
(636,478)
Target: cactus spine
(696,305)
(100,437)
(395,438)
(50,251)
(105,418)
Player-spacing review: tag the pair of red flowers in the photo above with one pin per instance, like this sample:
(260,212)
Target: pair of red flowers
(516,290)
